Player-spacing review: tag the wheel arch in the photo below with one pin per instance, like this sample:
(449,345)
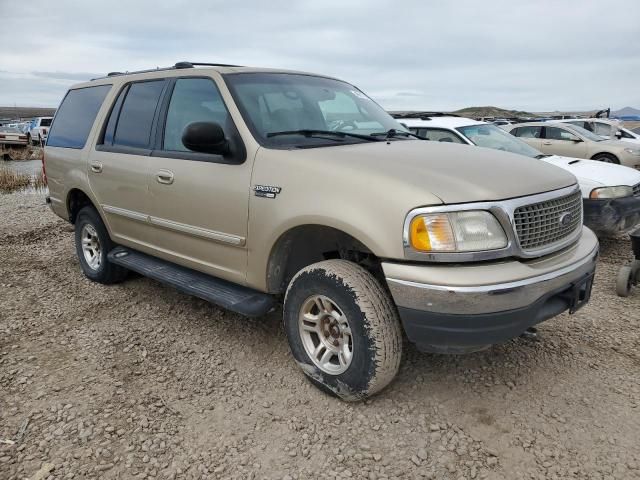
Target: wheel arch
(609,154)
(303,245)
(76,200)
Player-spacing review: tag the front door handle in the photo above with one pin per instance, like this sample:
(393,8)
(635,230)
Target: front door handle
(165,177)
(96,167)
(546,143)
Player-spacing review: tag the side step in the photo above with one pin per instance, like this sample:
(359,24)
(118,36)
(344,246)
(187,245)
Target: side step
(236,298)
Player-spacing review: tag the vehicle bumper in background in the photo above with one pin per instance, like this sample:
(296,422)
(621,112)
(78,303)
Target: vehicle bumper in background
(612,215)
(460,308)
(22,143)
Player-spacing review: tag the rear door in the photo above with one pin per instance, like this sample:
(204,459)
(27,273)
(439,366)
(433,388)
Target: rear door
(561,141)
(199,202)
(119,167)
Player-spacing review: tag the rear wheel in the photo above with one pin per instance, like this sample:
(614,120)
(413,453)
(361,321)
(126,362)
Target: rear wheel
(92,246)
(607,158)
(343,329)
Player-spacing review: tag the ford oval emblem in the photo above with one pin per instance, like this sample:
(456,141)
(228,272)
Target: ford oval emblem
(565,219)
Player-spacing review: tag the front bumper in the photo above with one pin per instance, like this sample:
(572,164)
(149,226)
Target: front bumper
(460,308)
(612,215)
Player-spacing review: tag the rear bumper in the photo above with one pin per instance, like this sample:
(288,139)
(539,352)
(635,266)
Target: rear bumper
(466,314)
(613,215)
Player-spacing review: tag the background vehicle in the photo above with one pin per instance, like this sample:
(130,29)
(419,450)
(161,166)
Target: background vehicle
(39,130)
(244,185)
(605,128)
(611,193)
(554,138)
(12,136)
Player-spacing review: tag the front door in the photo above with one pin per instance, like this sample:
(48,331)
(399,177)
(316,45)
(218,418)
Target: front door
(560,141)
(199,202)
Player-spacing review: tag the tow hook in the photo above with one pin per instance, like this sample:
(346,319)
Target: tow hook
(531,334)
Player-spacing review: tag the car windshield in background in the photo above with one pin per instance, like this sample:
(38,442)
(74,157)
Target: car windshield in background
(584,132)
(294,110)
(490,136)
(45,122)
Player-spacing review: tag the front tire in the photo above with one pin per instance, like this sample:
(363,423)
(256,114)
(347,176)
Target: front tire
(607,158)
(343,329)
(92,246)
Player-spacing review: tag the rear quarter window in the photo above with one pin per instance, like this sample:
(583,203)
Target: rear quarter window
(75,117)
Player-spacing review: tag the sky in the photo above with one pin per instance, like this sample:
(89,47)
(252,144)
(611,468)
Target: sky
(542,55)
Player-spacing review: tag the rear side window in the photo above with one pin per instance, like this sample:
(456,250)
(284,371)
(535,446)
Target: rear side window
(75,117)
(527,132)
(133,126)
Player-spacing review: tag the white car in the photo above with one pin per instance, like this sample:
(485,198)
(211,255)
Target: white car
(39,130)
(610,193)
(610,129)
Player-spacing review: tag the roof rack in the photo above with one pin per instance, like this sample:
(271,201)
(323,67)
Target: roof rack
(177,66)
(423,115)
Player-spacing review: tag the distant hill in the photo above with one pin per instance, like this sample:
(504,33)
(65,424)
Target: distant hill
(25,112)
(626,111)
(491,112)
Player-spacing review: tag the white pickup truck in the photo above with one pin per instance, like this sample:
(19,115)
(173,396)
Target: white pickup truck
(38,130)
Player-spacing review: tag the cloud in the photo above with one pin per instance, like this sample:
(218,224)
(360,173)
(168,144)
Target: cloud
(539,55)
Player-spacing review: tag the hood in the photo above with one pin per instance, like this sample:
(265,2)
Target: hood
(592,173)
(454,173)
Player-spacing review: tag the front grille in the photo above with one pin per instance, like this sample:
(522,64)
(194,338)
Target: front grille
(636,190)
(545,223)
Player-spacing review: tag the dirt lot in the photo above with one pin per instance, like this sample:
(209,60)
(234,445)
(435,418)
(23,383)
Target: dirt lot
(139,381)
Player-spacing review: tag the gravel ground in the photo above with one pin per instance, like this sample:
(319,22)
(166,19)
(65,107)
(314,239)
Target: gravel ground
(139,381)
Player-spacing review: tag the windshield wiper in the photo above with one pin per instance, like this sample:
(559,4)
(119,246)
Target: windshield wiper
(311,132)
(392,133)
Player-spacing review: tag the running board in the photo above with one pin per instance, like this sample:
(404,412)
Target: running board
(231,296)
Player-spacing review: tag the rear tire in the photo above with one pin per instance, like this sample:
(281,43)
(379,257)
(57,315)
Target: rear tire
(606,158)
(354,329)
(92,246)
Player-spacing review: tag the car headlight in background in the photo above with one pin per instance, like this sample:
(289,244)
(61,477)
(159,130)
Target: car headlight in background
(611,192)
(632,151)
(466,231)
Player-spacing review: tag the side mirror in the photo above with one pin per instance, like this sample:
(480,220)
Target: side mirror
(618,134)
(575,139)
(205,137)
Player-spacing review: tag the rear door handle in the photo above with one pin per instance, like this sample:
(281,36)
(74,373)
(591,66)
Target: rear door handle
(546,143)
(96,167)
(165,177)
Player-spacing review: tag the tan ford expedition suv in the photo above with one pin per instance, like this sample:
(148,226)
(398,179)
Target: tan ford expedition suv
(247,187)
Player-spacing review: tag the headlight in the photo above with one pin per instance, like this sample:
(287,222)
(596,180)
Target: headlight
(611,192)
(632,151)
(467,231)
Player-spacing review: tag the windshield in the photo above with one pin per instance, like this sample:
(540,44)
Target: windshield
(583,132)
(300,107)
(45,122)
(490,136)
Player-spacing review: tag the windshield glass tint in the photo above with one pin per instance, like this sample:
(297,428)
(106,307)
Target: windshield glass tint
(585,133)
(279,102)
(490,136)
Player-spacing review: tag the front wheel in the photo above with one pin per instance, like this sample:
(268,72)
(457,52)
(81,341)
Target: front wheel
(607,158)
(343,329)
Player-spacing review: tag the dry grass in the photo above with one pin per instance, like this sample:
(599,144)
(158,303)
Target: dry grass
(10,180)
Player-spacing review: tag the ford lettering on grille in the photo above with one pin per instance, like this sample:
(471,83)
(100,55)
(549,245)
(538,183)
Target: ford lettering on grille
(542,224)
